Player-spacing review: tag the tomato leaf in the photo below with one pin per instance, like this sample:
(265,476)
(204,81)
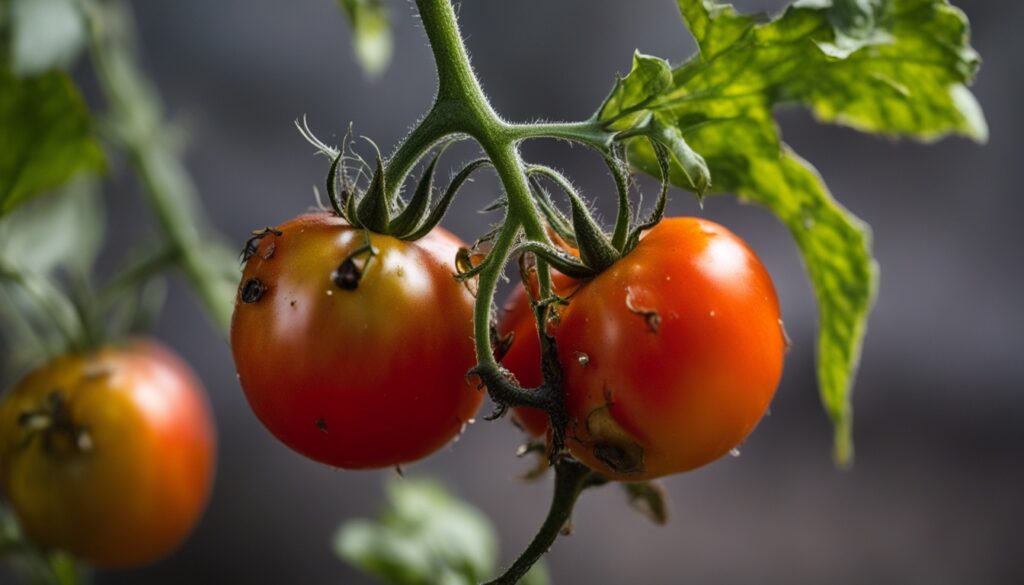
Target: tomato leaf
(47,136)
(371,34)
(59,229)
(893,67)
(648,78)
(44,34)
(423,536)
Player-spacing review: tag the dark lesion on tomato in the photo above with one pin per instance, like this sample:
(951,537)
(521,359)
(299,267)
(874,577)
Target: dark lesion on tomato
(321,423)
(252,290)
(349,273)
(613,445)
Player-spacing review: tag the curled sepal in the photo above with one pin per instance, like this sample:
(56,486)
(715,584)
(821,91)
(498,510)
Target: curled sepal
(339,202)
(596,249)
(374,211)
(617,167)
(560,260)
(557,221)
(649,499)
(441,208)
(416,209)
(659,207)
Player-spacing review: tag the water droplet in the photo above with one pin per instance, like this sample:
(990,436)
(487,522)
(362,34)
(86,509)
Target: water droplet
(734,452)
(582,358)
(330,292)
(471,421)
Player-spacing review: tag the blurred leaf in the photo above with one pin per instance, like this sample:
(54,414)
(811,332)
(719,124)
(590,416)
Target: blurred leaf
(63,228)
(538,575)
(423,537)
(47,136)
(44,35)
(648,498)
(31,564)
(371,34)
(893,67)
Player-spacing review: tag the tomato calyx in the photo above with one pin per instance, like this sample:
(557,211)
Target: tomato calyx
(597,250)
(378,208)
(52,421)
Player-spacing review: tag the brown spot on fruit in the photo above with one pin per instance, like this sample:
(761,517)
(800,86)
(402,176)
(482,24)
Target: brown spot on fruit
(613,446)
(322,425)
(252,290)
(347,275)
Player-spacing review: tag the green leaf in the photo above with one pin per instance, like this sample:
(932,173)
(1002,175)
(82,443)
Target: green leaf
(692,170)
(648,78)
(424,537)
(62,228)
(371,34)
(44,35)
(47,136)
(891,67)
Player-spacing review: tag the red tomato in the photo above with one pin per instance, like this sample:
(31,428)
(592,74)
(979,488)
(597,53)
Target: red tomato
(108,455)
(670,357)
(357,363)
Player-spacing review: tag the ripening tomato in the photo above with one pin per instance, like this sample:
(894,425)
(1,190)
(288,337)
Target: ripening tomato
(109,454)
(354,359)
(670,357)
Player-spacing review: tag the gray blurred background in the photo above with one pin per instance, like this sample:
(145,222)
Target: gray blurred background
(935,496)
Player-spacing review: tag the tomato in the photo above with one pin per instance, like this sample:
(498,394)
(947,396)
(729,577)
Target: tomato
(353,360)
(108,455)
(670,357)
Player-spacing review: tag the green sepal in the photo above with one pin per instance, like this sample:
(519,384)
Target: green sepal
(417,208)
(625,209)
(559,259)
(596,249)
(556,220)
(340,204)
(374,210)
(662,156)
(441,208)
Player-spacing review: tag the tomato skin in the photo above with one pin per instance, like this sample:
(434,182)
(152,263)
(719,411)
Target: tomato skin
(143,481)
(670,357)
(364,378)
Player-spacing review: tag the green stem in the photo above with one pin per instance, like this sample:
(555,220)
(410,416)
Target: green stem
(588,132)
(136,114)
(571,478)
